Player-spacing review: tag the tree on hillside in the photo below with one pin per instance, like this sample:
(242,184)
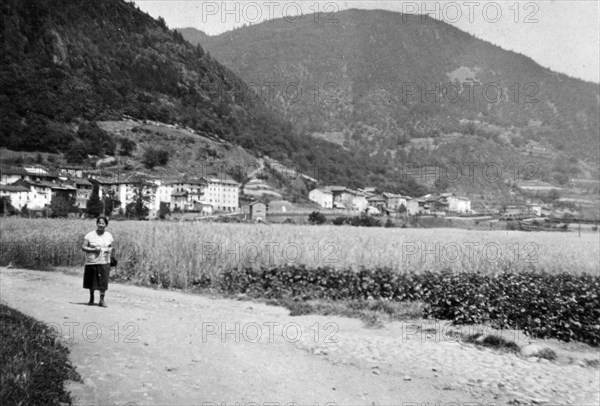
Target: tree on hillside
(127,146)
(155,157)
(76,153)
(93,206)
(96,140)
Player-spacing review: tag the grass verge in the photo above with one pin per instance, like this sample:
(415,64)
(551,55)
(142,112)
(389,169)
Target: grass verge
(34,365)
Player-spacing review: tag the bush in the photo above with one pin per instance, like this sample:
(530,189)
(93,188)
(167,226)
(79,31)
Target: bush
(155,157)
(317,218)
(360,221)
(35,365)
(338,221)
(389,224)
(562,306)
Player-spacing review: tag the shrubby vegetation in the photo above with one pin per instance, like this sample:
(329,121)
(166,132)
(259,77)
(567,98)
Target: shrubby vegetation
(35,365)
(562,306)
(358,221)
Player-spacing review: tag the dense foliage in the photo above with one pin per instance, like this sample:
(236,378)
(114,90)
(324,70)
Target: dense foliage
(67,64)
(377,79)
(562,306)
(357,221)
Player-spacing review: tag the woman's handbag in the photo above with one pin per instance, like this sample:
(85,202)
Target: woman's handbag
(113,261)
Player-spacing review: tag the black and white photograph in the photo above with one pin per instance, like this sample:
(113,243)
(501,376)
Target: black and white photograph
(309,202)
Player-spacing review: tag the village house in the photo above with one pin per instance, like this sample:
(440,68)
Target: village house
(10,174)
(83,192)
(184,194)
(412,206)
(372,210)
(456,204)
(359,202)
(64,191)
(256,211)
(18,195)
(222,193)
(39,193)
(163,195)
(393,201)
(378,202)
(322,197)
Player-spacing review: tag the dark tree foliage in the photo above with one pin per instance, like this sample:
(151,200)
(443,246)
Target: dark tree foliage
(316,218)
(61,206)
(93,207)
(96,140)
(77,62)
(127,146)
(164,210)
(6,206)
(138,208)
(155,157)
(76,153)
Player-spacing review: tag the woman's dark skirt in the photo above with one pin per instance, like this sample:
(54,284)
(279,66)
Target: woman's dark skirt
(96,277)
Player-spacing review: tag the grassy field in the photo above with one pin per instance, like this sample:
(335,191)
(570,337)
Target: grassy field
(544,283)
(182,252)
(34,362)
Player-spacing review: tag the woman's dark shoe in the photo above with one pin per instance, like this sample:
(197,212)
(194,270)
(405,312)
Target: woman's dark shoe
(90,303)
(102,304)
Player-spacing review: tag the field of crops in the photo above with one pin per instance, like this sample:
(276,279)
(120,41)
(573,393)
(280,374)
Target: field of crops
(184,251)
(544,283)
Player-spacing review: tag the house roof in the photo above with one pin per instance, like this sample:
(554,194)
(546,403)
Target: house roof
(13,188)
(26,171)
(45,184)
(326,191)
(83,182)
(186,182)
(226,180)
(335,188)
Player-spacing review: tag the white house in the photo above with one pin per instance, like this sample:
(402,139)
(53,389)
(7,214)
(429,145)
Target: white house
(163,195)
(359,202)
(372,210)
(458,204)
(222,193)
(185,193)
(322,197)
(412,206)
(17,194)
(39,194)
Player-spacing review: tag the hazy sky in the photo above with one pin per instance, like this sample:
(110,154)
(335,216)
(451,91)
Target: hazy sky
(561,35)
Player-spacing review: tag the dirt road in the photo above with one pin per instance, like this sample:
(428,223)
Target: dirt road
(159,347)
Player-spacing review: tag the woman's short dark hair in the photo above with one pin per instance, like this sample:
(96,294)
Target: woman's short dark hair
(102,218)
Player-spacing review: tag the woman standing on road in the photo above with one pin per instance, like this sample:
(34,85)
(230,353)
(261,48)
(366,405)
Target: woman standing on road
(97,246)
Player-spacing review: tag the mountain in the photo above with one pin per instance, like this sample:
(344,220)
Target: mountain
(400,89)
(193,35)
(67,65)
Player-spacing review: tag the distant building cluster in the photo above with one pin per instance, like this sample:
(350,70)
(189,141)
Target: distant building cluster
(366,200)
(36,187)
